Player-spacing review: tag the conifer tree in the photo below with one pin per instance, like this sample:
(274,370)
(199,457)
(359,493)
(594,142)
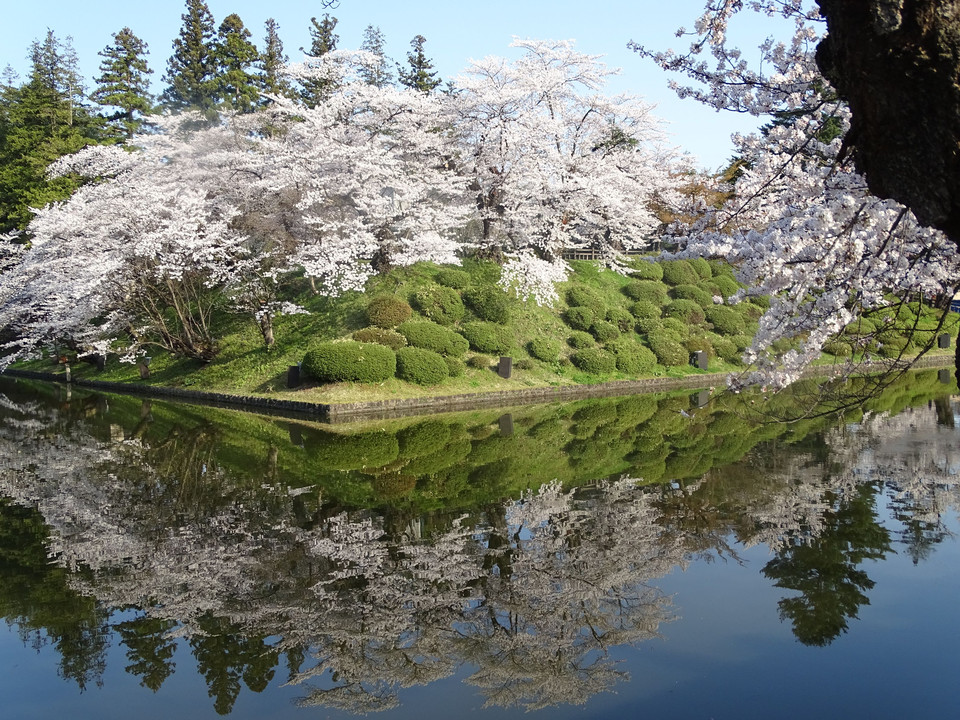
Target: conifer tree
(378,74)
(271,62)
(417,75)
(192,69)
(123,82)
(322,41)
(235,55)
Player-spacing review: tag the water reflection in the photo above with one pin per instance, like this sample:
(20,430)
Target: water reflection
(354,562)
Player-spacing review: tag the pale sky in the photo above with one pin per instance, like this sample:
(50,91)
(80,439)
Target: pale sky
(455,33)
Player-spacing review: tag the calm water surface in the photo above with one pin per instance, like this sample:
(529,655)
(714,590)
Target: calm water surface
(671,556)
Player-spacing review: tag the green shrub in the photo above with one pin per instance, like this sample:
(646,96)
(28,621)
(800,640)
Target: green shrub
(761,301)
(689,311)
(545,349)
(604,332)
(424,438)
(645,309)
(579,317)
(725,348)
(749,310)
(487,337)
(838,348)
(440,304)
(861,326)
(649,290)
(353,452)
(423,367)
(455,366)
(701,267)
(523,364)
(646,270)
(387,311)
(742,341)
(381,336)
(676,327)
(579,340)
(431,336)
(699,343)
(583,296)
(679,272)
(632,357)
(453,278)
(692,292)
(488,303)
(725,320)
(350,361)
(621,318)
(594,361)
(645,326)
(669,352)
(479,362)
(727,285)
(892,344)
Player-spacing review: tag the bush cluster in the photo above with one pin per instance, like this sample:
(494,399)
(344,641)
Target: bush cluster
(381,336)
(688,311)
(679,272)
(652,291)
(350,361)
(440,304)
(594,361)
(387,311)
(648,325)
(838,348)
(725,320)
(703,298)
(579,317)
(644,309)
(423,367)
(647,271)
(604,332)
(726,284)
(583,296)
(488,303)
(455,366)
(621,318)
(453,278)
(544,349)
(701,267)
(579,339)
(431,336)
(633,358)
(669,352)
(487,337)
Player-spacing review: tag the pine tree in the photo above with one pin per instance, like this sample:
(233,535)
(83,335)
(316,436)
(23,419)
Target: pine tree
(418,76)
(123,82)
(235,55)
(272,60)
(192,69)
(322,41)
(378,74)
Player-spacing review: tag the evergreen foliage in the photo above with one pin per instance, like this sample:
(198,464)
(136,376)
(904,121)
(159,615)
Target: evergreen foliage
(417,75)
(431,336)
(391,338)
(594,361)
(387,311)
(440,304)
(579,318)
(378,74)
(647,271)
(235,55)
(488,303)
(652,291)
(725,320)
(688,311)
(632,357)
(604,331)
(454,278)
(679,272)
(270,79)
(350,361)
(486,337)
(124,83)
(669,352)
(191,77)
(544,349)
(423,367)
(323,39)
(584,296)
(692,292)
(580,339)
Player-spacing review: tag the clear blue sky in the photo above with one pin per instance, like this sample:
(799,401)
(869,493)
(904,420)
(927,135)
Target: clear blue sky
(455,32)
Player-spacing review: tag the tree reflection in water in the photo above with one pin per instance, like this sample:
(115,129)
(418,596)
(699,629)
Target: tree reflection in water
(387,557)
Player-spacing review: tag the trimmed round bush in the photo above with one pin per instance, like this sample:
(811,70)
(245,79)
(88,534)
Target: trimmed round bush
(440,304)
(455,366)
(861,326)
(761,301)
(644,309)
(725,348)
(892,344)
(381,336)
(487,337)
(387,311)
(544,349)
(749,310)
(579,317)
(675,326)
(702,297)
(579,339)
(648,325)
(604,332)
(838,348)
(594,361)
(727,285)
(742,341)
(423,367)
(621,318)
(699,344)
(632,357)
(725,320)
(688,311)
(701,267)
(669,352)
(479,362)
(583,296)
(431,336)
(649,290)
(679,272)
(647,271)
(488,303)
(453,278)
(350,361)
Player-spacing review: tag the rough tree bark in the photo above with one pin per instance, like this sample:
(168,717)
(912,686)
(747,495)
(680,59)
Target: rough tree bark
(897,63)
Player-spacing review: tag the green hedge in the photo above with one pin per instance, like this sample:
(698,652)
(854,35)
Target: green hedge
(455,366)
(579,339)
(702,268)
(579,317)
(632,357)
(594,361)
(725,320)
(453,278)
(387,311)
(381,336)
(621,318)
(642,309)
(583,296)
(649,290)
(688,311)
(440,304)
(350,361)
(647,271)
(669,352)
(545,349)
(727,285)
(679,272)
(487,337)
(488,303)
(423,367)
(431,336)
(693,292)
(604,332)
